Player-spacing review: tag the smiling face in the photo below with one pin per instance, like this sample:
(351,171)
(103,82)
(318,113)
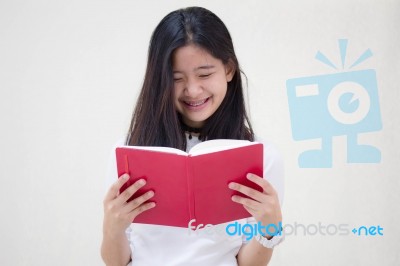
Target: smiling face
(200,84)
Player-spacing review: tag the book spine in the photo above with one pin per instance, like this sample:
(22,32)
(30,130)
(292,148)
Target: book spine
(190,189)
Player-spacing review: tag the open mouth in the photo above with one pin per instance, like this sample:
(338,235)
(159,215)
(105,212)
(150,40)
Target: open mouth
(196,103)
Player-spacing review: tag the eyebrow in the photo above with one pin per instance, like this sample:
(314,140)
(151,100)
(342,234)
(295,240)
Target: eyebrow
(198,68)
(204,67)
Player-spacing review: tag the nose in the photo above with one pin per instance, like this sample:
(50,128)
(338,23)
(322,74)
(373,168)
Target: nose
(193,89)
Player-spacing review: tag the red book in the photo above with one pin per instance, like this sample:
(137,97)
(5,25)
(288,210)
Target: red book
(192,185)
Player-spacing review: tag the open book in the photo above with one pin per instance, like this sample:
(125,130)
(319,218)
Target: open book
(192,185)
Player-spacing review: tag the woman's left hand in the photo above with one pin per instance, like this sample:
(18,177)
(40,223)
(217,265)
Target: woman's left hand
(263,206)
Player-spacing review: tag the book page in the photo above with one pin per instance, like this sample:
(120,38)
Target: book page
(215,145)
(157,149)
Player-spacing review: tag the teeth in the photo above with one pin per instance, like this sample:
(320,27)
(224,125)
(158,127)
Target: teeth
(196,103)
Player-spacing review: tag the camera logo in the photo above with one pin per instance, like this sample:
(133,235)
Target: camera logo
(325,106)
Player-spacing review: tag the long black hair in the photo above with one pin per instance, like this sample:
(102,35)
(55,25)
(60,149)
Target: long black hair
(155,121)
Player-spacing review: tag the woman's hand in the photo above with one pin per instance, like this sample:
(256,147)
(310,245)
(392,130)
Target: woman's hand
(118,213)
(263,206)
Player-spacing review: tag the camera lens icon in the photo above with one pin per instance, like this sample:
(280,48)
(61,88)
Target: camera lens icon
(348,102)
(325,106)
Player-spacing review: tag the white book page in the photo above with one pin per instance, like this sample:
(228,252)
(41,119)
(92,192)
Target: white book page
(215,145)
(157,149)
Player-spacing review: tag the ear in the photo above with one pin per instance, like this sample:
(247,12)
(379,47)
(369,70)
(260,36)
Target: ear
(230,70)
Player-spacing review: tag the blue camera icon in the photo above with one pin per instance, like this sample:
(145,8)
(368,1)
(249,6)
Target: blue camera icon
(325,106)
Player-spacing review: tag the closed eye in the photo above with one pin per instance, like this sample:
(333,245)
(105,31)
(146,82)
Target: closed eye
(205,75)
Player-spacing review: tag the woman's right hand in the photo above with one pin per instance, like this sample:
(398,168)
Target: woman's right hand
(118,213)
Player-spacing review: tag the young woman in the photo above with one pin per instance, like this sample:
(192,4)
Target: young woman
(192,92)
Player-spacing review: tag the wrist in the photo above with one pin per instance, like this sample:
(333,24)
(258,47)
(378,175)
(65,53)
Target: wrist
(270,241)
(270,229)
(114,235)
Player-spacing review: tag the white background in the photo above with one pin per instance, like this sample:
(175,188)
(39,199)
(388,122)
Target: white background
(70,72)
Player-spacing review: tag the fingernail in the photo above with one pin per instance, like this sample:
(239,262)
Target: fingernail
(249,176)
(125,176)
(150,193)
(231,185)
(142,182)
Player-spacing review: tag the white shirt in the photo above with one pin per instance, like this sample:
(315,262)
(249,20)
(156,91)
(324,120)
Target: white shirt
(154,245)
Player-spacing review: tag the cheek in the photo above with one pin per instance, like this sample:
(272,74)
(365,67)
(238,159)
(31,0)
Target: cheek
(222,91)
(176,97)
(218,86)
(179,87)
(178,91)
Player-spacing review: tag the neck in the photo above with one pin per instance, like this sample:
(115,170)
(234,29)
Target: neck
(191,130)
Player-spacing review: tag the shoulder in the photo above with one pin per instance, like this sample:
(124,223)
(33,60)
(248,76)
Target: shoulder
(121,140)
(271,152)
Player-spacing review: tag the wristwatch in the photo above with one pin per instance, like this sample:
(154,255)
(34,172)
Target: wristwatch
(270,243)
